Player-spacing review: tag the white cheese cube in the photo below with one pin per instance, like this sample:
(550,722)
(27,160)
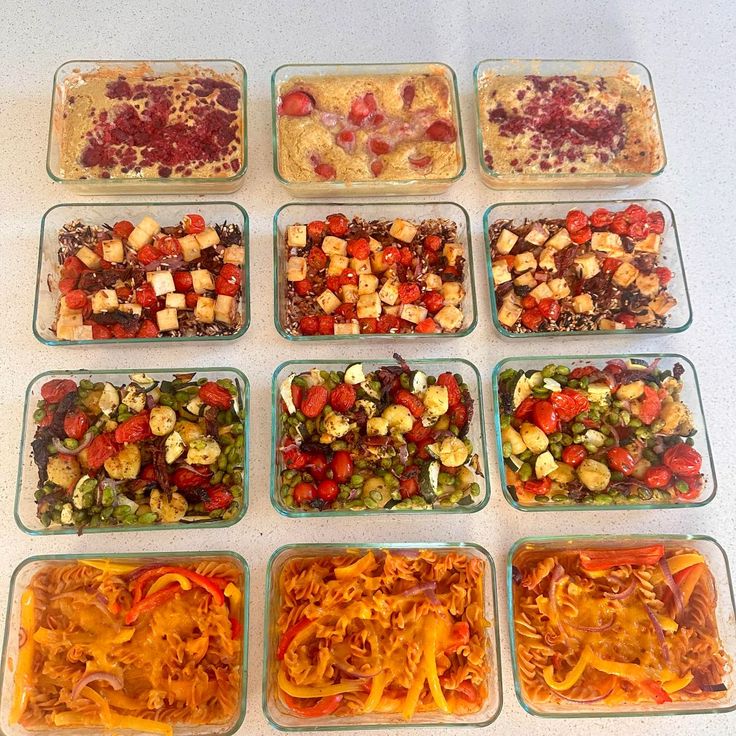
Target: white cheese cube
(190,249)
(337,265)
(583,304)
(403,231)
(453,292)
(369,305)
(66,310)
(360,265)
(432,282)
(328,301)
(135,309)
(333,246)
(538,235)
(559,288)
(138,238)
(149,226)
(388,309)
(560,240)
(509,313)
(89,258)
(234,254)
(500,272)
(202,280)
(204,311)
(648,284)
(625,275)
(296,268)
(541,291)
(207,238)
(67,325)
(606,242)
(346,328)
(176,300)
(296,236)
(449,318)
(378,263)
(662,304)
(163,281)
(83,332)
(525,262)
(375,246)
(451,252)
(506,241)
(349,293)
(113,251)
(367,283)
(225,309)
(588,265)
(526,279)
(650,244)
(167,319)
(389,293)
(413,313)
(104,300)
(547,258)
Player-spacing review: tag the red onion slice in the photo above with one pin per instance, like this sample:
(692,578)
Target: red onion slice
(601,627)
(673,586)
(62,449)
(114,682)
(623,594)
(659,632)
(582,700)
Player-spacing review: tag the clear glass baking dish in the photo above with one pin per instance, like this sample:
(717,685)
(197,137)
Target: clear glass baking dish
(725,612)
(554,67)
(283,74)
(304,212)
(431,366)
(690,396)
(22,576)
(25,505)
(70,73)
(48,272)
(282,720)
(670,256)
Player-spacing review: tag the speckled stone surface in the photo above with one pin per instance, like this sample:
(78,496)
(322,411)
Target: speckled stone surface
(689,49)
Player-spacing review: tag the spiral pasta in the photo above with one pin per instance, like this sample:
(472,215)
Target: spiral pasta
(384,632)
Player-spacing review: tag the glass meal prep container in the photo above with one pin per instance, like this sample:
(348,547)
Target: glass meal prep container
(49,273)
(369,490)
(276,641)
(25,582)
(665,251)
(678,415)
(30,490)
(708,610)
(134,147)
(382,144)
(536,104)
(413,212)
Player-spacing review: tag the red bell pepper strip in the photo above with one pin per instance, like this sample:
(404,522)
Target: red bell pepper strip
(602,559)
(656,691)
(459,636)
(209,584)
(151,602)
(288,636)
(236,629)
(323,707)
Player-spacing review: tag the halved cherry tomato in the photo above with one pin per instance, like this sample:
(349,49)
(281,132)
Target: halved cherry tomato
(148,254)
(100,332)
(526,408)
(433,301)
(658,477)
(406,257)
(538,487)
(408,487)
(655,220)
(76,424)
(123,228)
(73,267)
(314,401)
(635,213)
(359,248)
(148,328)
(412,402)
(55,390)
(146,296)
(342,466)
(629,320)
(309,325)
(418,432)
(342,397)
(316,230)
(326,324)
(694,488)
(68,284)
(349,276)
(304,492)
(581,236)
(650,405)
(664,275)
(196,477)
(169,245)
(550,308)
(611,264)
(327,490)
(338,225)
(296,395)
(408,293)
(100,449)
(213,394)
(638,230)
(182,280)
(148,472)
(574,455)
(347,311)
(218,497)
(601,217)
(191,298)
(619,224)
(135,429)
(683,460)
(448,380)
(316,258)
(532,318)
(387,323)
(294,458)
(333,283)
(621,459)
(433,243)
(193,224)
(576,220)
(367,325)
(391,255)
(228,288)
(545,416)
(302,287)
(528,302)
(76,299)
(459,416)
(317,465)
(569,403)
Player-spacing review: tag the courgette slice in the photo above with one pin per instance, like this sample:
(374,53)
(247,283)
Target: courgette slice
(418,382)
(522,389)
(429,481)
(285,391)
(369,390)
(354,374)
(513,462)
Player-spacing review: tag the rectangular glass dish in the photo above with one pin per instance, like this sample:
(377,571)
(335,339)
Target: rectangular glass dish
(25,509)
(669,256)
(147,138)
(431,367)
(724,611)
(414,212)
(283,720)
(641,497)
(604,136)
(29,568)
(49,274)
(419,156)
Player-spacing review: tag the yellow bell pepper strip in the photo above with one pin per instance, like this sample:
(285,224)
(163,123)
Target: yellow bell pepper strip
(101,703)
(688,578)
(25,656)
(677,563)
(430,664)
(323,691)
(110,567)
(357,568)
(150,603)
(572,676)
(374,697)
(208,584)
(672,686)
(323,707)
(603,559)
(412,695)
(70,719)
(168,579)
(234,597)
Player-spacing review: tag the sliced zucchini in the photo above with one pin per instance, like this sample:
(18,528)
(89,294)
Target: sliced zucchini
(638,363)
(354,374)
(544,465)
(514,463)
(109,400)
(510,435)
(285,391)
(429,481)
(370,391)
(551,385)
(522,389)
(594,437)
(536,379)
(142,380)
(418,382)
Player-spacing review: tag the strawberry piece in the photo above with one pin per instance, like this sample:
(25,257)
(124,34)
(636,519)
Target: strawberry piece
(441,131)
(378,146)
(361,108)
(420,162)
(376,167)
(407,94)
(296,104)
(326,171)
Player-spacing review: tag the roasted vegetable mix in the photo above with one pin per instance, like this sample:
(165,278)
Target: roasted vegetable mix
(586,435)
(145,452)
(388,438)
(600,271)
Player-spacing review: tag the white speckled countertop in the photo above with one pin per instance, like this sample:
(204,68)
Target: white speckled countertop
(689,50)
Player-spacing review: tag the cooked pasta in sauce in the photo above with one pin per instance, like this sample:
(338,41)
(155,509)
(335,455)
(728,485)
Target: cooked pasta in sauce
(129,645)
(610,627)
(394,632)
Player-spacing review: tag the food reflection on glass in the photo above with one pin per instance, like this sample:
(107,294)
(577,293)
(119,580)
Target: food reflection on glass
(144,452)
(148,646)
(388,438)
(382,632)
(351,277)
(148,280)
(609,626)
(615,434)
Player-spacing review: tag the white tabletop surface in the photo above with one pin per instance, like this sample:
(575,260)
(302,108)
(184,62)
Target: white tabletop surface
(689,49)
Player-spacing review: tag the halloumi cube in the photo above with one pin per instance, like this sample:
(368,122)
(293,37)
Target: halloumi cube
(559,288)
(113,251)
(526,279)
(509,313)
(67,325)
(500,272)
(360,265)
(547,258)
(135,309)
(541,291)
(449,318)
(296,236)
(662,304)
(645,317)
(167,319)
(403,231)
(104,300)
(207,238)
(149,226)
(389,293)
(190,249)
(204,311)
(83,332)
(202,280)
(65,310)
(375,246)
(367,283)
(432,282)
(225,309)
(538,235)
(453,292)
(606,242)
(588,265)
(582,304)
(506,241)
(163,281)
(625,275)
(337,265)
(560,240)
(648,284)
(346,328)
(296,268)
(176,300)
(378,262)
(650,244)
(389,309)
(369,305)
(328,301)
(413,313)
(349,293)
(89,258)
(525,262)
(333,246)
(138,238)
(451,252)
(234,254)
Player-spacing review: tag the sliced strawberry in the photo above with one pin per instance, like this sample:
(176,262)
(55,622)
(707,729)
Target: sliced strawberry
(407,94)
(326,171)
(442,131)
(296,104)
(376,167)
(378,146)
(420,162)
(361,108)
